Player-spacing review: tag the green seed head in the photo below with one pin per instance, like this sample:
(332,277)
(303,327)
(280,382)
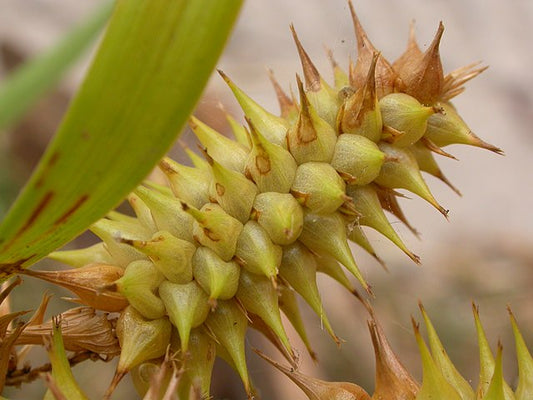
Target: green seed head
(298,268)
(191,185)
(167,212)
(230,241)
(327,234)
(268,125)
(228,324)
(259,296)
(368,205)
(401,171)
(200,360)
(447,127)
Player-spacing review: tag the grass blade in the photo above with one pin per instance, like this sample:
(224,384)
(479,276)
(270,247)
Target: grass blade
(150,69)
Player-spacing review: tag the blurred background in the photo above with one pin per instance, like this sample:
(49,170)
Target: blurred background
(483,254)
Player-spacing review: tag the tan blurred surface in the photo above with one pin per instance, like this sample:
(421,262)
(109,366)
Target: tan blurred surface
(484,253)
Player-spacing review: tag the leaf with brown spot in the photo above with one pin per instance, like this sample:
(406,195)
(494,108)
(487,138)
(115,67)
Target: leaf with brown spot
(158,66)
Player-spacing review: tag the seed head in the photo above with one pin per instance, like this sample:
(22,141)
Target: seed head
(232,239)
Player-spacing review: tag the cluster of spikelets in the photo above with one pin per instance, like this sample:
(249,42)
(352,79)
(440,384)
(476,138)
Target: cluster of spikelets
(233,239)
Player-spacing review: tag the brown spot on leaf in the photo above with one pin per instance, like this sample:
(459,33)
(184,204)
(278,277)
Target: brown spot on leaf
(72,209)
(36,212)
(39,182)
(53,159)
(49,164)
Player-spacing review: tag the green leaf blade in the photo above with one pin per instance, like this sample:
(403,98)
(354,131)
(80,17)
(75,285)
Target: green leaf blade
(144,82)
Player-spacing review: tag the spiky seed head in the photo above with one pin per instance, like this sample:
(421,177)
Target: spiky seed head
(268,125)
(259,296)
(327,234)
(359,113)
(401,171)
(367,204)
(231,240)
(200,361)
(168,213)
(385,76)
(317,389)
(298,268)
(323,98)
(230,154)
(228,324)
(90,283)
(190,185)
